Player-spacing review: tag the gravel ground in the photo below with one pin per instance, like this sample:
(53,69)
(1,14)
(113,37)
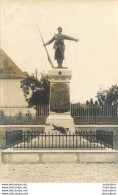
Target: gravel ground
(59,172)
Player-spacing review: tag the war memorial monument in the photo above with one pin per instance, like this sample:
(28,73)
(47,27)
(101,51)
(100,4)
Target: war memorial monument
(59,111)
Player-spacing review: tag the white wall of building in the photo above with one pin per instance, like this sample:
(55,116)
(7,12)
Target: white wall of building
(10,93)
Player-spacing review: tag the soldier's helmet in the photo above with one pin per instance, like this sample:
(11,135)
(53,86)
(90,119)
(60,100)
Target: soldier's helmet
(59,28)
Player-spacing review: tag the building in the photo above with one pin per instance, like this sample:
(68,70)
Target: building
(10,76)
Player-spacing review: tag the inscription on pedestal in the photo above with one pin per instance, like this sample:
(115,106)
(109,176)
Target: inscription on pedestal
(60,98)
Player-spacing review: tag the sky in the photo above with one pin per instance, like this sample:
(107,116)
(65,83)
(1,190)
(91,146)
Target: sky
(93,60)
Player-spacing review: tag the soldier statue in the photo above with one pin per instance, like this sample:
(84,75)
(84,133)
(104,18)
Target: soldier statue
(59,45)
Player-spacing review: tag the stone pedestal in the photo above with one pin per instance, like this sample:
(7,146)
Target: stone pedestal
(59,113)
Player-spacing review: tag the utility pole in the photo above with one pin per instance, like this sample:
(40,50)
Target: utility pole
(36,73)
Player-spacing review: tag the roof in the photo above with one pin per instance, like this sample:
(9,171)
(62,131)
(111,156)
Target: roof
(8,69)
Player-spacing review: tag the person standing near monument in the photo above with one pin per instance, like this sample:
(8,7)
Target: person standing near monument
(59,45)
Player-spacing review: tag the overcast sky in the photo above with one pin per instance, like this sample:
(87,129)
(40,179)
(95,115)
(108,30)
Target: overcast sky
(93,60)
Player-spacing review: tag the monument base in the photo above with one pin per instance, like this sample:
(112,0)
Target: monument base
(62,120)
(59,112)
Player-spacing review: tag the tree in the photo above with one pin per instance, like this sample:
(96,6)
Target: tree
(108,97)
(91,102)
(105,97)
(36,91)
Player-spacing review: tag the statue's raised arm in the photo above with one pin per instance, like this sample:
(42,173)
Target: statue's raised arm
(59,45)
(70,38)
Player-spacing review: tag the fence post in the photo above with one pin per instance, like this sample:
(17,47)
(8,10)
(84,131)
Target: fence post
(112,139)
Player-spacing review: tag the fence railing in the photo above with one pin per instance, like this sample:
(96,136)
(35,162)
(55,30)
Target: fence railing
(13,137)
(94,114)
(69,141)
(38,115)
(23,115)
(105,137)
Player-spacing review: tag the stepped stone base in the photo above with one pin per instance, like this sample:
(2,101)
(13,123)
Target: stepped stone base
(59,156)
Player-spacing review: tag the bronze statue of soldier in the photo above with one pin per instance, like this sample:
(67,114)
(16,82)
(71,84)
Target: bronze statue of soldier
(59,45)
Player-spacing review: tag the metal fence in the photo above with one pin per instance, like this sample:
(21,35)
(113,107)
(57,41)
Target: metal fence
(13,137)
(23,115)
(69,141)
(94,114)
(104,137)
(37,115)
